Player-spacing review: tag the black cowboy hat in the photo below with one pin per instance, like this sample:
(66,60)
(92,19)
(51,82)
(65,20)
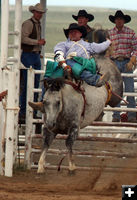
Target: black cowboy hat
(73,26)
(120,14)
(83,13)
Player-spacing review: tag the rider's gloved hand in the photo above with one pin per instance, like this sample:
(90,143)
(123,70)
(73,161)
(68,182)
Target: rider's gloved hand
(59,56)
(131,65)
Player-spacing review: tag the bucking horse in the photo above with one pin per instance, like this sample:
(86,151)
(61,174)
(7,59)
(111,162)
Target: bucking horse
(69,106)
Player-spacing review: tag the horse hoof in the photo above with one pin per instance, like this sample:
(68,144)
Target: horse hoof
(71,172)
(40,170)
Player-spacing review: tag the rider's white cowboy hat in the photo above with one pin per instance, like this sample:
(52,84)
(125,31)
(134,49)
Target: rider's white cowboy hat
(38,7)
(119,14)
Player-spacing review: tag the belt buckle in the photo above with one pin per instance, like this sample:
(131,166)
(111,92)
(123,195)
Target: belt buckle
(120,58)
(37,52)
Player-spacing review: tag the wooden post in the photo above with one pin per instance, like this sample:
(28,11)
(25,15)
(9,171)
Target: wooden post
(10,126)
(16,68)
(3,63)
(29,117)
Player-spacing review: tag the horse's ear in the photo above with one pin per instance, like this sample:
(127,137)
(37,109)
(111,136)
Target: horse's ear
(37,106)
(94,36)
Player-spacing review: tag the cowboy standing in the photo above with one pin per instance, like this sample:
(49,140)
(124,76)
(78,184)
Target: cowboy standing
(83,18)
(31,44)
(124,55)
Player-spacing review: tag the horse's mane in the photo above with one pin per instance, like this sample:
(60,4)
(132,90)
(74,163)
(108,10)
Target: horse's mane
(55,84)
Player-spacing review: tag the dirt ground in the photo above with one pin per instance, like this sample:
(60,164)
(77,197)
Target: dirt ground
(53,185)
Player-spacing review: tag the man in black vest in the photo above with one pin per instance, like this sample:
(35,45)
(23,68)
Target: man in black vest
(31,44)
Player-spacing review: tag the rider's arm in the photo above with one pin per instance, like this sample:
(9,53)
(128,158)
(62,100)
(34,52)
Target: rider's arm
(100,47)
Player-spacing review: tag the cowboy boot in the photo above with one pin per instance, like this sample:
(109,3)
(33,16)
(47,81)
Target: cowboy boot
(103,79)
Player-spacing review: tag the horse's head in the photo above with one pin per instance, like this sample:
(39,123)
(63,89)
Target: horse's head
(52,101)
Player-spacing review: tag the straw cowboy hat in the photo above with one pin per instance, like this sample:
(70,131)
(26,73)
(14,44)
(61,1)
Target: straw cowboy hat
(83,13)
(38,7)
(119,14)
(73,26)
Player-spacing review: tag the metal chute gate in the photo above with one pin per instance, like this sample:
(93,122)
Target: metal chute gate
(10,79)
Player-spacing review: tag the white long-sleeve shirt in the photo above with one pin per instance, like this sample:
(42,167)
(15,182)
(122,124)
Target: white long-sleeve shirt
(81,47)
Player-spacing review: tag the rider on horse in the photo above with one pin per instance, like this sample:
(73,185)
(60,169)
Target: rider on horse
(75,56)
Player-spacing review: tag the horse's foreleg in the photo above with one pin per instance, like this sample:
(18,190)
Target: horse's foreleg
(72,165)
(49,136)
(69,143)
(41,163)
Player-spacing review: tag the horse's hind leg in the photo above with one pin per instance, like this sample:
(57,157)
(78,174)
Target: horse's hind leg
(69,143)
(49,136)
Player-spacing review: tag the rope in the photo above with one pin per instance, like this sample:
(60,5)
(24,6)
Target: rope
(110,92)
(77,43)
(59,165)
(120,97)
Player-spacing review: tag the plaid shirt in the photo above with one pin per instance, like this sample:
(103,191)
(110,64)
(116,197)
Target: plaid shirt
(124,42)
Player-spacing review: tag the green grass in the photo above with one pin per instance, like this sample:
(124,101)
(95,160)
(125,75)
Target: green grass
(58,18)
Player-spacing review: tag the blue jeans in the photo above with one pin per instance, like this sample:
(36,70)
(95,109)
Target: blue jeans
(86,75)
(129,87)
(43,92)
(28,59)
